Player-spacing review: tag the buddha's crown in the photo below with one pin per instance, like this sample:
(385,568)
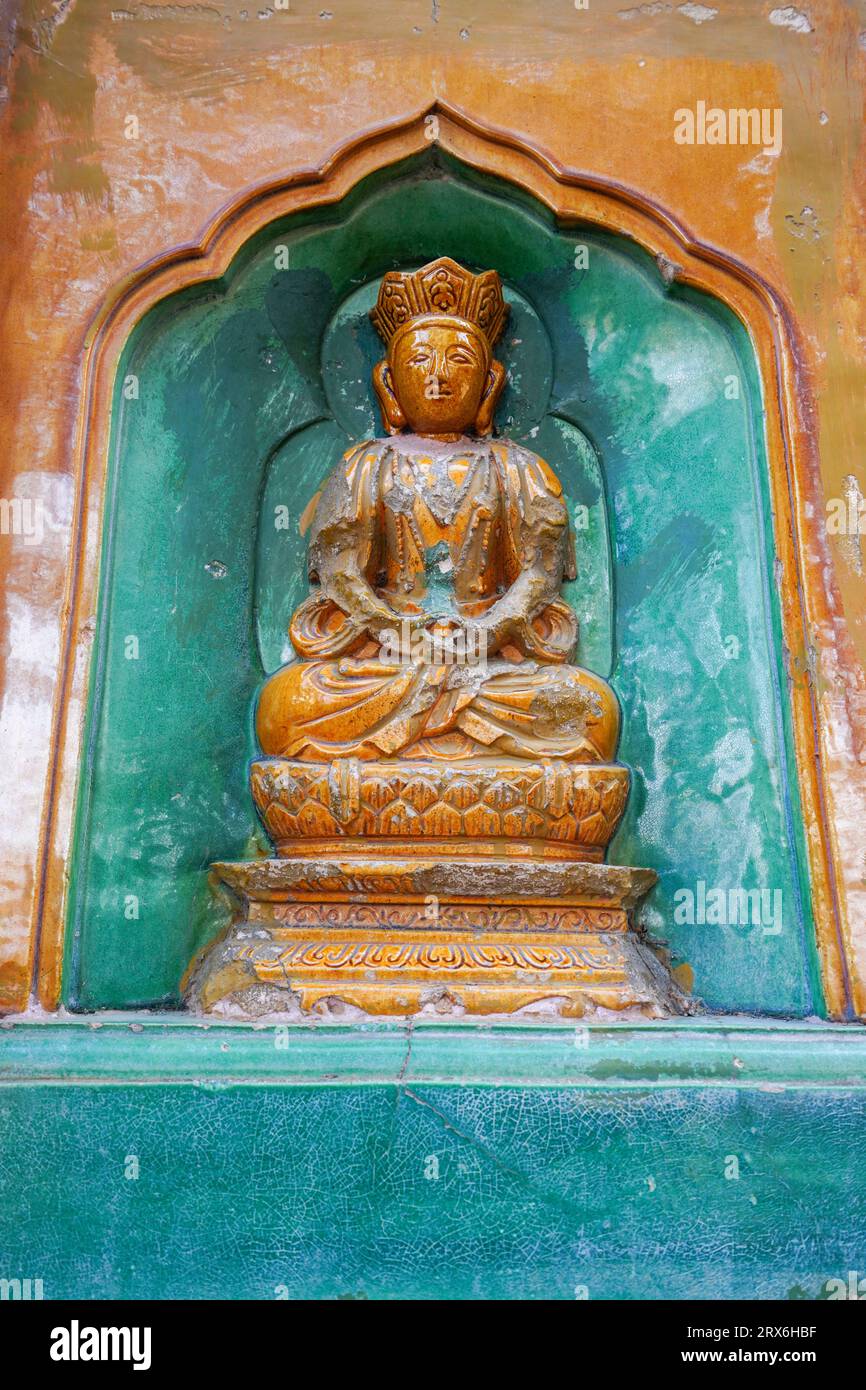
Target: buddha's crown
(441,288)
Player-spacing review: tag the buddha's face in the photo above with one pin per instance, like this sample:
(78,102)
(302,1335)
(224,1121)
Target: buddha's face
(437,379)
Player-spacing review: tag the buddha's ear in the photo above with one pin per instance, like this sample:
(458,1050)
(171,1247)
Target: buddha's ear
(490,399)
(392,415)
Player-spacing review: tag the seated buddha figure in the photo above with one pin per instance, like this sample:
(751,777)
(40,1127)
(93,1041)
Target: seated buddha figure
(435,626)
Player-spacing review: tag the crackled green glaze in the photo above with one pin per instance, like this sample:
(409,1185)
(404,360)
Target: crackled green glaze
(234,416)
(434,1161)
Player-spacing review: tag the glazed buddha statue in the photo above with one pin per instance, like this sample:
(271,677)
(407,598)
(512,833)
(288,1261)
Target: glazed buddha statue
(437,774)
(438,532)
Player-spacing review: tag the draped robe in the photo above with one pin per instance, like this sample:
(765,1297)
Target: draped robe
(457,531)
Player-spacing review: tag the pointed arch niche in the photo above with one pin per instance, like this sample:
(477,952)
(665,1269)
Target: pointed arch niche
(220,384)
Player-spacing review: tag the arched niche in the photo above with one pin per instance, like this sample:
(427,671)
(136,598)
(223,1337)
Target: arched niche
(235,394)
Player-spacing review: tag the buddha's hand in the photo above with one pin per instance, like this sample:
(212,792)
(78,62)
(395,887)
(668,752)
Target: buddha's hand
(441,641)
(466,641)
(403,638)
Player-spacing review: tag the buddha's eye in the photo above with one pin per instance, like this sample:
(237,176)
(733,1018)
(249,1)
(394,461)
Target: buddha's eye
(462,358)
(419,359)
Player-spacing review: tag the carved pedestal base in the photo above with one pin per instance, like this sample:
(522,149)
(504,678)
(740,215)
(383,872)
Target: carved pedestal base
(478,807)
(403,935)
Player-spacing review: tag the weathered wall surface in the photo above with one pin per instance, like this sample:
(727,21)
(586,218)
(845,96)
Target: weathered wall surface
(211,1164)
(126,130)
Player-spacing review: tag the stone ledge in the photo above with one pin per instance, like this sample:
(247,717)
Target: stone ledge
(733,1052)
(355,877)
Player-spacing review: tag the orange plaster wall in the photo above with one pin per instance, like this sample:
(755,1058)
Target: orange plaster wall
(226,97)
